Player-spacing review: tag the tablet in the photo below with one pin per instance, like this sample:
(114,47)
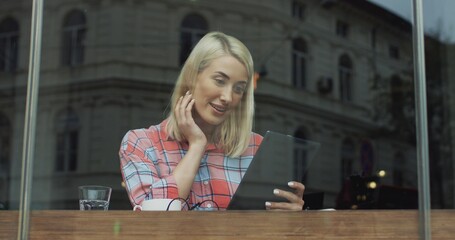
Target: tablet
(279,159)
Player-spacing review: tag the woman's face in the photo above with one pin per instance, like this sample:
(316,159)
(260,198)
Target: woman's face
(218,91)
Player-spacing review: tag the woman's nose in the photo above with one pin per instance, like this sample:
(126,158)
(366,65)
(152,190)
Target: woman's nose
(226,95)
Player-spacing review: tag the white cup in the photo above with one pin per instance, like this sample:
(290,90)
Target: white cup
(159,205)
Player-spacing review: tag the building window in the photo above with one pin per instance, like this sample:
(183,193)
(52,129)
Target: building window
(5,147)
(342,29)
(73,42)
(397,97)
(345,76)
(394,52)
(300,155)
(193,28)
(367,157)
(398,169)
(299,55)
(9,42)
(67,140)
(347,159)
(373,38)
(298,10)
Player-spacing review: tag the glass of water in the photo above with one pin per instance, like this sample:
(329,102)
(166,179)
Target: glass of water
(94,197)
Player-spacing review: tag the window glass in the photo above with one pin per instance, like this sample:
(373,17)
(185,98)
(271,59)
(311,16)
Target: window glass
(345,75)
(193,28)
(347,160)
(73,39)
(342,29)
(5,161)
(67,141)
(439,59)
(299,68)
(298,10)
(14,58)
(439,55)
(301,155)
(110,66)
(9,44)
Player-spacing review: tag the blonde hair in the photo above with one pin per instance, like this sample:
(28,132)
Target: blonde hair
(233,135)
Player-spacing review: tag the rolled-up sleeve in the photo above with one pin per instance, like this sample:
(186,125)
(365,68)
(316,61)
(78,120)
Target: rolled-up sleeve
(141,168)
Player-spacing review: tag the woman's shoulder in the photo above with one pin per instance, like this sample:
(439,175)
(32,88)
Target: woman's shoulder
(256,137)
(152,132)
(255,141)
(253,145)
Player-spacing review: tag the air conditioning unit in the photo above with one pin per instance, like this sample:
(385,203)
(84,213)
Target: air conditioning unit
(325,85)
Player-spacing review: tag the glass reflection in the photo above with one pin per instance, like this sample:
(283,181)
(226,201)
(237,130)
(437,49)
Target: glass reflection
(9,37)
(5,163)
(336,72)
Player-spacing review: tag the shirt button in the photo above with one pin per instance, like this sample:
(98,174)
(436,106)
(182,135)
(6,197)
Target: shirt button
(206,182)
(209,205)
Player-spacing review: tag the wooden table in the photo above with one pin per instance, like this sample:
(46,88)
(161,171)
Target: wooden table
(359,224)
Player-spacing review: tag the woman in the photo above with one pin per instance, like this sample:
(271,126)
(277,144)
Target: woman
(204,147)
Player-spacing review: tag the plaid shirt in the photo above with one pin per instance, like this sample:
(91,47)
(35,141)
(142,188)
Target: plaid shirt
(148,158)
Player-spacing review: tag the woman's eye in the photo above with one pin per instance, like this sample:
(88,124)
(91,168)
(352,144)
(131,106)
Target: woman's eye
(239,89)
(219,81)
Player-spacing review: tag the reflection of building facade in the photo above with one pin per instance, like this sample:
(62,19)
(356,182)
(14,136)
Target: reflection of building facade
(448,129)
(329,69)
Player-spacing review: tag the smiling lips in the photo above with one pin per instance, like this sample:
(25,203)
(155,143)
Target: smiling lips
(219,108)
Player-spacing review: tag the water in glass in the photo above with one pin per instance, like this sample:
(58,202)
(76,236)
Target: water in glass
(93,205)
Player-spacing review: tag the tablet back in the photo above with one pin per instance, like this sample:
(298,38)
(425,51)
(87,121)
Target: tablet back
(279,159)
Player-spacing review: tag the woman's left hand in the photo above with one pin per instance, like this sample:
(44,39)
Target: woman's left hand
(295,199)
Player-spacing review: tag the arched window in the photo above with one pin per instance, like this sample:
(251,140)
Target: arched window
(192,29)
(347,159)
(67,140)
(9,42)
(299,55)
(300,155)
(73,41)
(345,70)
(5,148)
(399,163)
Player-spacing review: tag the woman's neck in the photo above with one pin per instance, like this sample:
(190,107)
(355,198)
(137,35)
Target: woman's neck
(207,129)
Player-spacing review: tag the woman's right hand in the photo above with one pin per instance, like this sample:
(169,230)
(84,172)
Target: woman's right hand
(190,130)
(188,166)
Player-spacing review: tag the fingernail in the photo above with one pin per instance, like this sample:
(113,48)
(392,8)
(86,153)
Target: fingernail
(276,191)
(290,184)
(268,204)
(187,92)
